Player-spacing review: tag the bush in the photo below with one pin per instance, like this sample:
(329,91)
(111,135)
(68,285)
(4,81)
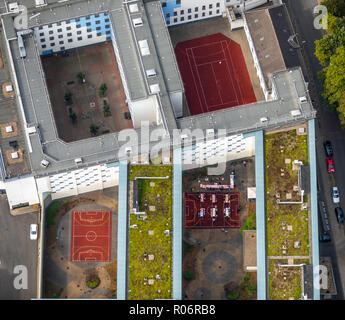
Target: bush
(102,90)
(92,282)
(50,213)
(233,296)
(188,275)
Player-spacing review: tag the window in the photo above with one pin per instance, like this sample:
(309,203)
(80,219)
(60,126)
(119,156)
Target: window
(182,12)
(61,42)
(210,13)
(68,28)
(175,13)
(98,22)
(175,19)
(99,34)
(69,34)
(88,24)
(217,11)
(168,15)
(62,48)
(89,36)
(60,36)
(189,17)
(210,6)
(178,1)
(189,10)
(51,38)
(98,28)
(164,4)
(196,16)
(43,40)
(203,7)
(52,44)
(88,30)
(78,32)
(80,38)
(107,32)
(59,30)
(107,26)
(70,40)
(51,32)
(203,14)
(44,46)
(78,26)
(58,24)
(107,20)
(218,5)
(96,15)
(41,34)
(196,9)
(182,19)
(77,20)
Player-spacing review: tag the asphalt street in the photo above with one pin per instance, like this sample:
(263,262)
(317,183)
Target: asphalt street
(327,128)
(16,248)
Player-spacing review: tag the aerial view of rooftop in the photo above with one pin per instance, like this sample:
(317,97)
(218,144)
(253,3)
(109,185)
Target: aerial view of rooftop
(172,150)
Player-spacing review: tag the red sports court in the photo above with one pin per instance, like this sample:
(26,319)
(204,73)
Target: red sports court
(214,74)
(207,210)
(91,236)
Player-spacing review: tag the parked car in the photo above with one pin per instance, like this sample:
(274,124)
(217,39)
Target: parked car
(335,195)
(330,165)
(325,237)
(33,231)
(328,148)
(339,214)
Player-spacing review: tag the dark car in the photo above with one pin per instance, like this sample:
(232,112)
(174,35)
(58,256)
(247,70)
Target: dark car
(328,149)
(339,214)
(324,237)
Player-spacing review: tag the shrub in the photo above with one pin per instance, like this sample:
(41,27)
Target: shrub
(102,90)
(50,213)
(188,275)
(233,296)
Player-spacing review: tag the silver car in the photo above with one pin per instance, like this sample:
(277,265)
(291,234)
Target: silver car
(335,195)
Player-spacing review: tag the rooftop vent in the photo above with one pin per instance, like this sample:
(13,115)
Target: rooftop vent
(13,7)
(303,99)
(138,22)
(144,47)
(295,113)
(78,161)
(154,88)
(40,3)
(151,73)
(133,8)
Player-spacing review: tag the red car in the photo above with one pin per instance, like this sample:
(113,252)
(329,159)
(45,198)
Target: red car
(330,165)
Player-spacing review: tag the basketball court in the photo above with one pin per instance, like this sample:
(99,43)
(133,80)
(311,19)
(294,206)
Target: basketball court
(214,74)
(210,210)
(91,236)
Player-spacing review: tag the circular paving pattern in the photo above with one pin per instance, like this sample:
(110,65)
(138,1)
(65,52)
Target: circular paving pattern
(91,236)
(202,294)
(219,266)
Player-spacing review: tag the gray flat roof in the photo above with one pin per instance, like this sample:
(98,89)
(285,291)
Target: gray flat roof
(36,103)
(290,86)
(270,29)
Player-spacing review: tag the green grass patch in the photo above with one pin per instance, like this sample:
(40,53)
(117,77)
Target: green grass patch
(280,180)
(51,212)
(250,223)
(284,282)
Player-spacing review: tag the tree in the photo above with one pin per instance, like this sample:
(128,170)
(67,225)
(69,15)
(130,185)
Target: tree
(327,46)
(106,110)
(68,96)
(102,90)
(335,7)
(334,85)
(81,77)
(94,129)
